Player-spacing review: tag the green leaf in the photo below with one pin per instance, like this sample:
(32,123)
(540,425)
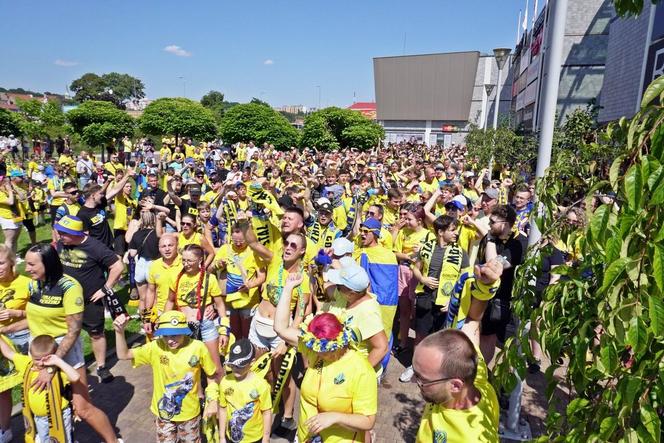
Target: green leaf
(576,405)
(607,427)
(658,266)
(614,172)
(651,422)
(655,177)
(609,358)
(637,335)
(653,91)
(613,246)
(660,235)
(658,194)
(613,272)
(599,221)
(656,313)
(634,187)
(657,143)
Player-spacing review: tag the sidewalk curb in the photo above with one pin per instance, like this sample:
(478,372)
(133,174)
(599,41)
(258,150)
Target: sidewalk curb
(17,408)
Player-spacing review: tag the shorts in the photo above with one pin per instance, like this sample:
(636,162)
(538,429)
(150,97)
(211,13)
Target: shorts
(496,318)
(6,223)
(407,282)
(178,431)
(119,243)
(74,357)
(93,317)
(53,211)
(41,423)
(29,224)
(428,316)
(21,340)
(261,333)
(209,330)
(141,270)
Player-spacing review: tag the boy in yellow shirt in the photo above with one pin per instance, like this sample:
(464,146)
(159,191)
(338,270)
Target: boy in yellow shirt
(46,413)
(245,403)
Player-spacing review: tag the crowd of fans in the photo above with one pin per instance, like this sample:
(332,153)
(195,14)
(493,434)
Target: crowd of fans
(260,276)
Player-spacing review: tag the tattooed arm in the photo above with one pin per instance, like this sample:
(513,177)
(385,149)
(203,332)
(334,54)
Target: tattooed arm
(74,325)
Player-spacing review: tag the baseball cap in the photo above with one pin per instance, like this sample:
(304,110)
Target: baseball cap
(172,323)
(373,225)
(195,190)
(70,225)
(492,193)
(461,200)
(241,354)
(351,275)
(342,246)
(324,204)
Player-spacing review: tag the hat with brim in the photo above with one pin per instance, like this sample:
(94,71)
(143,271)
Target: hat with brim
(172,323)
(241,354)
(70,225)
(352,276)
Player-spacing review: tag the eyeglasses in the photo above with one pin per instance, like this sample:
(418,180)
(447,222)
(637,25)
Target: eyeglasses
(494,221)
(424,384)
(291,245)
(371,213)
(74,192)
(184,260)
(200,176)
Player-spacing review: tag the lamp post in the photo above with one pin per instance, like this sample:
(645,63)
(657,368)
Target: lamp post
(184,86)
(488,88)
(501,55)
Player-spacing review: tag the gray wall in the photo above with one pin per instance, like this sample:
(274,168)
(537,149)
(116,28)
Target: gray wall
(425,87)
(627,40)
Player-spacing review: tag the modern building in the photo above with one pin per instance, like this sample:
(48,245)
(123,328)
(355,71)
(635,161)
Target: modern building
(583,66)
(635,59)
(434,98)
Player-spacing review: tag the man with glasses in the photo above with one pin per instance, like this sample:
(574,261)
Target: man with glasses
(501,241)
(71,205)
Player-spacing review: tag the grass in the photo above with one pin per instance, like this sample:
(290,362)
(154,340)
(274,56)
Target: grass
(44,235)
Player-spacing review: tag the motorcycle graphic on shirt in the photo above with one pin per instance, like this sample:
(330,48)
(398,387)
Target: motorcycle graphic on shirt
(239,418)
(170,404)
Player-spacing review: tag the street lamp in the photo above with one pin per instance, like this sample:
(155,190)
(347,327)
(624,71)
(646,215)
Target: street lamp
(501,55)
(488,88)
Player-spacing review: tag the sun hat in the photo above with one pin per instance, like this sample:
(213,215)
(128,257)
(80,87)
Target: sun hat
(351,275)
(70,225)
(241,354)
(492,193)
(172,323)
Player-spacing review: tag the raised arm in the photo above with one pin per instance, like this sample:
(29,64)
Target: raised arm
(282,325)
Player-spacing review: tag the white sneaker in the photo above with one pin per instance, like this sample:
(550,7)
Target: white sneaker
(6,436)
(407,375)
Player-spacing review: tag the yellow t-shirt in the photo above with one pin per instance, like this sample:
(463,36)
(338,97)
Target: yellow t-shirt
(48,308)
(364,319)
(183,241)
(390,216)
(55,184)
(407,240)
(161,276)
(237,263)
(429,187)
(124,211)
(347,385)
(477,424)
(210,197)
(176,377)
(467,234)
(37,399)
(165,154)
(7,211)
(14,295)
(112,168)
(245,401)
(241,152)
(66,160)
(275,281)
(186,290)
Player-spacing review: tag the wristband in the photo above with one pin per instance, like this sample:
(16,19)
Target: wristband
(107,291)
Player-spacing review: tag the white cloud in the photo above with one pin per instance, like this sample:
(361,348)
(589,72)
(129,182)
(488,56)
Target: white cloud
(175,49)
(269,61)
(65,63)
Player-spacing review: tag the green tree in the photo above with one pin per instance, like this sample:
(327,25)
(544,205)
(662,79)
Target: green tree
(628,8)
(179,117)
(214,101)
(253,121)
(335,127)
(9,123)
(37,119)
(605,318)
(99,122)
(503,144)
(112,87)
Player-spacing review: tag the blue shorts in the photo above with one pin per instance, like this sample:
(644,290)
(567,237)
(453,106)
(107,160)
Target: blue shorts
(20,339)
(209,330)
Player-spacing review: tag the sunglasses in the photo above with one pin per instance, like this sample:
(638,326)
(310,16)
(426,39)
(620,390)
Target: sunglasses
(187,224)
(366,231)
(200,176)
(371,213)
(74,192)
(493,222)
(291,245)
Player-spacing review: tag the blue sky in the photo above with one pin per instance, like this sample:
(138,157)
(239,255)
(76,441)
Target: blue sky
(277,50)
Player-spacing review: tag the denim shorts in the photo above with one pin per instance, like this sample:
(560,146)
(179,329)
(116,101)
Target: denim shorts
(41,423)
(141,270)
(209,330)
(20,339)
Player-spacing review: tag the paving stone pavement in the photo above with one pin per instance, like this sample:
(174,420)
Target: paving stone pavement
(126,400)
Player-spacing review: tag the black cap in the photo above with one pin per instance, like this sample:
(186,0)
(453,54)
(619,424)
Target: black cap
(241,354)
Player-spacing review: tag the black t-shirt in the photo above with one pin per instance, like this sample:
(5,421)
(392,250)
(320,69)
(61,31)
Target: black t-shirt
(549,261)
(87,263)
(146,242)
(157,194)
(514,250)
(436,265)
(95,221)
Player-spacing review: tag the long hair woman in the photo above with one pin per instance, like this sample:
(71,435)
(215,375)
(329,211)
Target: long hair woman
(13,299)
(55,308)
(190,235)
(196,293)
(339,397)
